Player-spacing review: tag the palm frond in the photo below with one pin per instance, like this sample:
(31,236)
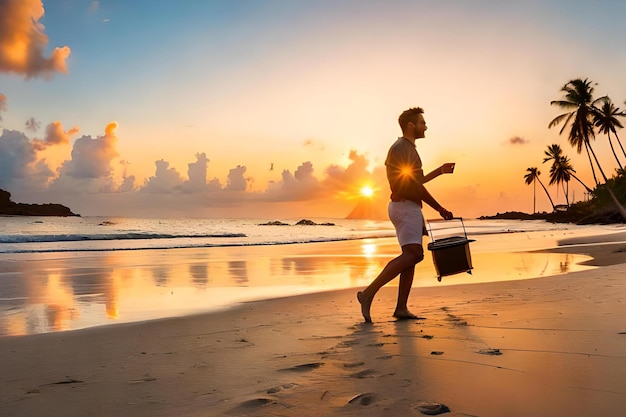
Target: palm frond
(564,104)
(558,119)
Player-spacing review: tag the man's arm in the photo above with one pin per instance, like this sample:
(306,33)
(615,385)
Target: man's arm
(447,168)
(430,200)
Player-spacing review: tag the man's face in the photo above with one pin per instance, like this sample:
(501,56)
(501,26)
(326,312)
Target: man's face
(419,126)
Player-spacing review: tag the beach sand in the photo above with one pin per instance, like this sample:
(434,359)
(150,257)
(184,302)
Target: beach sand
(551,346)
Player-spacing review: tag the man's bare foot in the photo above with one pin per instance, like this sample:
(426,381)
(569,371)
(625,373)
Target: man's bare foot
(365,306)
(405,315)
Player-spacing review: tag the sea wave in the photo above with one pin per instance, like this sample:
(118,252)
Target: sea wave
(108,236)
(84,235)
(163,244)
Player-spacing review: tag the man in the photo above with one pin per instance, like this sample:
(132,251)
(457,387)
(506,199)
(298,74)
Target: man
(406,180)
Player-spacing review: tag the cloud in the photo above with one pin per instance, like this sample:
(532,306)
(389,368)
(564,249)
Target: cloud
(90,169)
(55,135)
(32,124)
(23,41)
(165,179)
(128,181)
(341,179)
(127,185)
(337,181)
(16,154)
(236,180)
(197,174)
(95,181)
(92,157)
(517,140)
(3,104)
(19,165)
(301,185)
(214,185)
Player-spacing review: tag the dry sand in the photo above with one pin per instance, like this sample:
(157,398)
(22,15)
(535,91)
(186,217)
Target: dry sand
(553,346)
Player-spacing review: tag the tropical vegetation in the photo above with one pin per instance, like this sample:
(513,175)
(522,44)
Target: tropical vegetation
(584,118)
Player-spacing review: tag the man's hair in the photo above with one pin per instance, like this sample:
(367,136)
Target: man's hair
(409,115)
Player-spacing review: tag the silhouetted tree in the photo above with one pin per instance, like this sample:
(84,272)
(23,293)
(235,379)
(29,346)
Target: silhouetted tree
(561,164)
(560,173)
(530,178)
(607,122)
(580,104)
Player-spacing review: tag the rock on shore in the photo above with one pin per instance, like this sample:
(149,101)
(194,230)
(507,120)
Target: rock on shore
(10,208)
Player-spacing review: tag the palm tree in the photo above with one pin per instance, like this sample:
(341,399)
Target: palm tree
(555,154)
(605,119)
(581,108)
(560,173)
(530,178)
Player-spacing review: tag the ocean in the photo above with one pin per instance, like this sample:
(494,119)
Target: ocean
(60,274)
(79,234)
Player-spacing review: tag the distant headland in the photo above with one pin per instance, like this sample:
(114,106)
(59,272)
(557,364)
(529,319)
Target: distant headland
(9,208)
(606,216)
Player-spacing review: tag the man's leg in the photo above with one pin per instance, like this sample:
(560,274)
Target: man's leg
(411,254)
(404,287)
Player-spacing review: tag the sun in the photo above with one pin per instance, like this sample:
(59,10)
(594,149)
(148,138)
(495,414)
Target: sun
(367,191)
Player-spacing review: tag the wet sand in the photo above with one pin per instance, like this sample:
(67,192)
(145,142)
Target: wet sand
(47,292)
(552,346)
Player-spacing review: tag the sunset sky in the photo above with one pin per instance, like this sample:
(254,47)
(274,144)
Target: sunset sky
(287,108)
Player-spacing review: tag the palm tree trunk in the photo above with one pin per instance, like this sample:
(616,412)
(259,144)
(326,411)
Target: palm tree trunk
(547,193)
(619,142)
(593,171)
(534,195)
(598,163)
(614,154)
(565,192)
(582,183)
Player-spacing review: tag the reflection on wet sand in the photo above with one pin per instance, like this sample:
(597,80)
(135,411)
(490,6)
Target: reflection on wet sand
(238,271)
(67,291)
(199,274)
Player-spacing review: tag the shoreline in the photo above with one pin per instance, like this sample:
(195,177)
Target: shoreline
(556,342)
(84,290)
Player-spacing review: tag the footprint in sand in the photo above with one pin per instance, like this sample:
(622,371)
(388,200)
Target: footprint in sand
(353,365)
(493,352)
(304,367)
(146,378)
(363,399)
(250,406)
(282,387)
(347,343)
(366,373)
(243,343)
(432,408)
(457,321)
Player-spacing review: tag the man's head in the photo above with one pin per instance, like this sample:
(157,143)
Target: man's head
(412,123)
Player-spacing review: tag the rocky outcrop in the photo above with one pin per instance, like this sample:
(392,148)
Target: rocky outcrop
(8,207)
(303,222)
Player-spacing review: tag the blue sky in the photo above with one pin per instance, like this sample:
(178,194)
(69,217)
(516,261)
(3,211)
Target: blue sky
(311,88)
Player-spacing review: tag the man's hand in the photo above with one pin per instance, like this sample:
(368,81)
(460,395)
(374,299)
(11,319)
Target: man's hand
(447,168)
(447,215)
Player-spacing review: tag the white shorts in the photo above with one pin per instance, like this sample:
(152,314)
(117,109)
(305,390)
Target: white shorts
(408,220)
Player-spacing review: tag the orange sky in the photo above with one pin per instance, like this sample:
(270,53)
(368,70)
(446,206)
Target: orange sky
(286,110)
